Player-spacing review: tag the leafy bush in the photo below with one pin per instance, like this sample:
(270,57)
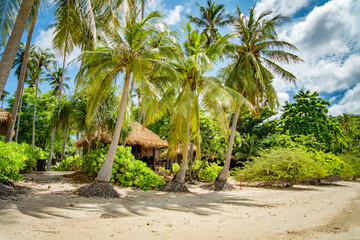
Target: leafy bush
(333,165)
(290,165)
(126,170)
(353,161)
(68,164)
(286,166)
(208,173)
(15,158)
(32,153)
(11,162)
(176,168)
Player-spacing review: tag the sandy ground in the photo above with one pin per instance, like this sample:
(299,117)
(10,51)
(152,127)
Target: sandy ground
(50,210)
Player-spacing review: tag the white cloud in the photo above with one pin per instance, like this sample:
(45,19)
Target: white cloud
(44,41)
(349,103)
(173,16)
(328,41)
(283,7)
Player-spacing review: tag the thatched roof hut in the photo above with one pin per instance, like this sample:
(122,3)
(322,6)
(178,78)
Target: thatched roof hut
(178,151)
(5,121)
(142,136)
(139,135)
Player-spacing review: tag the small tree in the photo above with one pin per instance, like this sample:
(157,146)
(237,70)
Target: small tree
(307,116)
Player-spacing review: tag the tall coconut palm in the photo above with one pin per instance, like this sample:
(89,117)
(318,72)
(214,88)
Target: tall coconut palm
(254,66)
(8,8)
(13,42)
(70,17)
(21,71)
(3,97)
(39,61)
(57,80)
(55,77)
(127,51)
(197,92)
(213,16)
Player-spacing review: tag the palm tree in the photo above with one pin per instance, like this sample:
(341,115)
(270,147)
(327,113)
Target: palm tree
(70,16)
(56,80)
(41,59)
(212,17)
(254,63)
(197,92)
(55,77)
(3,97)
(13,42)
(127,51)
(21,71)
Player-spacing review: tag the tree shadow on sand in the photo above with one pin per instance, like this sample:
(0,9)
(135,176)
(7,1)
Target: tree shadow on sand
(63,204)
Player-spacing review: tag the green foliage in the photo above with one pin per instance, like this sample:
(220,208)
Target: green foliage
(354,161)
(15,158)
(161,127)
(208,173)
(68,164)
(307,116)
(11,163)
(44,109)
(176,168)
(288,166)
(126,170)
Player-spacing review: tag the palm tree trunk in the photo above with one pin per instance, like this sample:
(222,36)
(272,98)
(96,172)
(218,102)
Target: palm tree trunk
(18,118)
(52,139)
(223,175)
(181,174)
(62,77)
(34,117)
(21,80)
(13,42)
(64,144)
(105,172)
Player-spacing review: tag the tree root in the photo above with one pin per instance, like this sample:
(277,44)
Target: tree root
(218,186)
(174,187)
(98,189)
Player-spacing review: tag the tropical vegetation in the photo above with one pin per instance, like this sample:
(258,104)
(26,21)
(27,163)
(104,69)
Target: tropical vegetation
(133,67)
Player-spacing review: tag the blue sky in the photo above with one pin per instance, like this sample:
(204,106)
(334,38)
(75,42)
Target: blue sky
(327,34)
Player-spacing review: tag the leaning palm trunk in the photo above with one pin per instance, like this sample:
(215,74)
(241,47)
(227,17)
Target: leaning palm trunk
(64,143)
(220,181)
(12,45)
(52,139)
(34,117)
(21,81)
(18,118)
(102,186)
(178,183)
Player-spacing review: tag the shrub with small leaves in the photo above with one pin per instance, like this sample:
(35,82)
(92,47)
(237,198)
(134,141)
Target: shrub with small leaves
(11,162)
(68,164)
(126,170)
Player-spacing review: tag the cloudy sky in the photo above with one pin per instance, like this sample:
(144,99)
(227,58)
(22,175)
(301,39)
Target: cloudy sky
(327,34)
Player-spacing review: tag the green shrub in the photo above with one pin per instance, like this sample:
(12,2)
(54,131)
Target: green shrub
(11,162)
(68,164)
(33,154)
(285,166)
(208,173)
(126,170)
(176,168)
(16,158)
(353,161)
(333,165)
(288,166)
